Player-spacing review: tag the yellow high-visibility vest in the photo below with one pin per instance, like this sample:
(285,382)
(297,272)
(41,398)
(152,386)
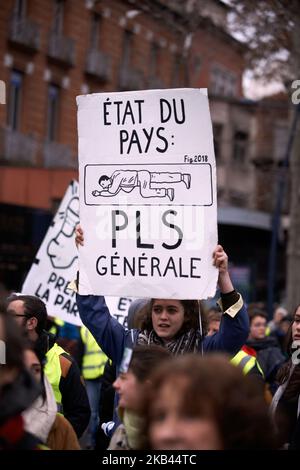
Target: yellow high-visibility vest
(52,369)
(94,359)
(246,362)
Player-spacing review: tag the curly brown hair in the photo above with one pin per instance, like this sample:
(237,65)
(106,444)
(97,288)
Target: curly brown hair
(191,316)
(214,388)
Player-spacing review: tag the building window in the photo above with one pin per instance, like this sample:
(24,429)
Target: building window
(176,71)
(58,20)
(20,9)
(14,101)
(217,132)
(230,86)
(154,58)
(222,82)
(127,49)
(53,112)
(197,63)
(95,30)
(240,145)
(280,141)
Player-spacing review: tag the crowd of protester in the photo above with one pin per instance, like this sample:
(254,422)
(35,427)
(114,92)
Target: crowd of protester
(181,376)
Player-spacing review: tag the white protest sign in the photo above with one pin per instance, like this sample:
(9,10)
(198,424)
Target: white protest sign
(56,265)
(147,194)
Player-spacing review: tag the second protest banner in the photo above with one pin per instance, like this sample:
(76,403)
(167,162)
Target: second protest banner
(147,194)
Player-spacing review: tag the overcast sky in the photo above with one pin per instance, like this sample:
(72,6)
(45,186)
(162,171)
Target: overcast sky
(254,89)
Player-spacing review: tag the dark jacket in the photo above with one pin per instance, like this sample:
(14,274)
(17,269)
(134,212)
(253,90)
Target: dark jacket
(287,419)
(113,338)
(295,439)
(106,404)
(269,356)
(75,402)
(15,398)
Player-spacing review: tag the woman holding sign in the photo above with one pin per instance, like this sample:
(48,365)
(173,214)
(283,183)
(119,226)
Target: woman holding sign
(173,324)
